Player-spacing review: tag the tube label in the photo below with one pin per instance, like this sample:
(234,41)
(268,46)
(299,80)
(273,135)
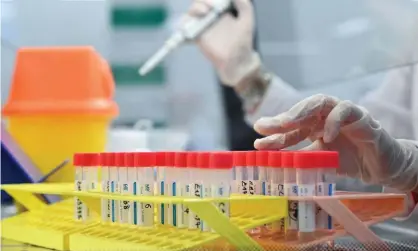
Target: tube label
(81,210)
(194,219)
(146,217)
(126,212)
(324,221)
(183,213)
(106,204)
(292,190)
(114,188)
(207,193)
(307,209)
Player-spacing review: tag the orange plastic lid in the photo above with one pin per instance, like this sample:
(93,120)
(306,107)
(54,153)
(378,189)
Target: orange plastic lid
(61,80)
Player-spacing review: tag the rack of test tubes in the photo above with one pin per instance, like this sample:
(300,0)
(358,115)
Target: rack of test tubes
(258,200)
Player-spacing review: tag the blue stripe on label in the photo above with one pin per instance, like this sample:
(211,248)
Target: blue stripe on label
(135,207)
(264,188)
(330,189)
(174,206)
(112,189)
(162,205)
(202,190)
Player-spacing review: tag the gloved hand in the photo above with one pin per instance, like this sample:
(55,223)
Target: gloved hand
(366,150)
(228,44)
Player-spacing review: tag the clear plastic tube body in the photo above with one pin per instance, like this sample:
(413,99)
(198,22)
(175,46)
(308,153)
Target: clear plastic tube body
(306,181)
(81,210)
(106,211)
(326,186)
(290,189)
(162,190)
(206,181)
(114,188)
(126,189)
(161,186)
(181,188)
(196,192)
(145,212)
(185,191)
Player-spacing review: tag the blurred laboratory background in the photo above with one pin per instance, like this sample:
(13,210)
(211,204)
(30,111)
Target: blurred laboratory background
(343,48)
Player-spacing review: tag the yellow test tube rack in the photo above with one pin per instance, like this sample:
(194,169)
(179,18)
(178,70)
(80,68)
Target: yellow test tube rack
(53,226)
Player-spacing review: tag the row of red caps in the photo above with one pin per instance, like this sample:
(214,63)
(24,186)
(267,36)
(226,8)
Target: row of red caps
(216,160)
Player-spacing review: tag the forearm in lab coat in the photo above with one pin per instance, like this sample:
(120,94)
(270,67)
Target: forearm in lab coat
(278,98)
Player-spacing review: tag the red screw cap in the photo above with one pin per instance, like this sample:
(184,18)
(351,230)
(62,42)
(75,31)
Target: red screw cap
(262,158)
(170,159)
(240,158)
(192,159)
(130,159)
(287,159)
(180,159)
(78,159)
(221,160)
(203,159)
(144,159)
(251,158)
(160,158)
(120,159)
(275,159)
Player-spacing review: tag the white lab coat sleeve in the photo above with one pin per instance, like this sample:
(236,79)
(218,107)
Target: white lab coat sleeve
(392,103)
(279,97)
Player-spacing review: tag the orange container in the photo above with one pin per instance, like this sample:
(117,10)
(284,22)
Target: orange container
(60,102)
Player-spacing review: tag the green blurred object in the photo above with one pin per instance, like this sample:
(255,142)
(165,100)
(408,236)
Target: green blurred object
(126,74)
(136,16)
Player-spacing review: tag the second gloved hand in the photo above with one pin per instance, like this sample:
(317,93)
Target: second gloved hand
(366,150)
(228,44)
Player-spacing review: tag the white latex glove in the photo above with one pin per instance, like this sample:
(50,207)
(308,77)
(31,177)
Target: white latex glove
(366,150)
(228,44)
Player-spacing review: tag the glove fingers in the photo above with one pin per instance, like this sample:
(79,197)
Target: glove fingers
(304,114)
(200,8)
(342,114)
(245,13)
(280,141)
(317,145)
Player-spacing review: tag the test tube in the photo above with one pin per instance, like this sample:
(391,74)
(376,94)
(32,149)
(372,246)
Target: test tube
(125,188)
(262,162)
(290,189)
(240,177)
(144,163)
(277,184)
(161,186)
(81,210)
(171,191)
(106,203)
(203,162)
(128,178)
(114,185)
(181,187)
(328,163)
(253,173)
(221,164)
(92,163)
(306,165)
(195,187)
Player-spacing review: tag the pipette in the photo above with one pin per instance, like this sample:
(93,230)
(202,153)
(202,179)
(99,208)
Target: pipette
(188,32)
